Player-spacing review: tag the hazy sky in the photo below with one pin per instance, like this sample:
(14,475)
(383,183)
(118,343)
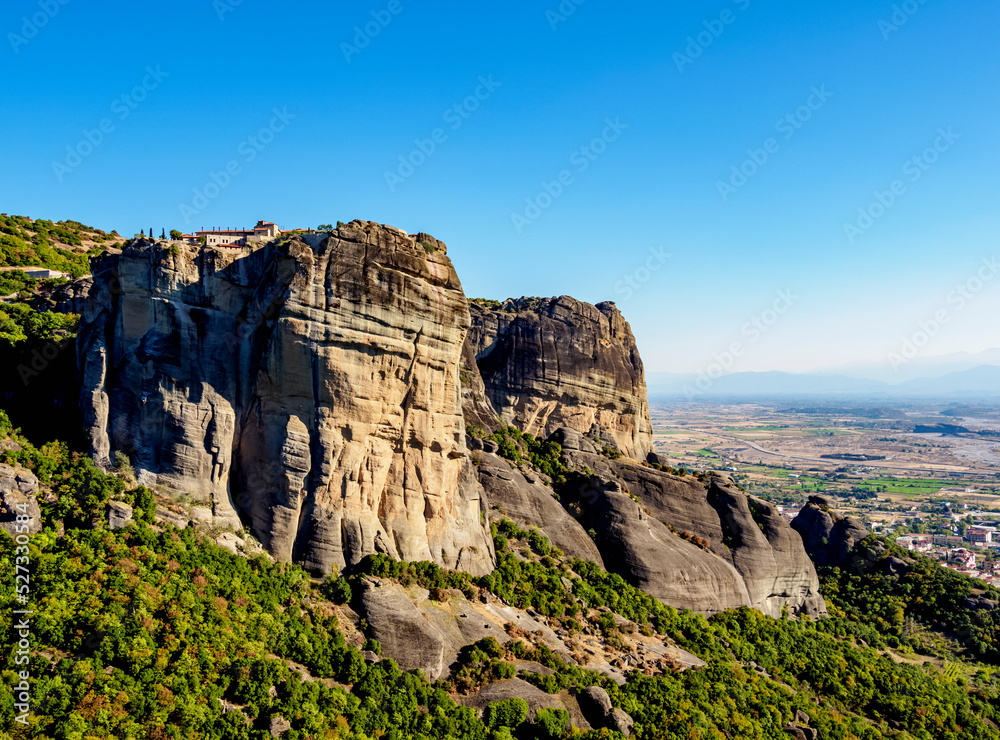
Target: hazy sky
(566,149)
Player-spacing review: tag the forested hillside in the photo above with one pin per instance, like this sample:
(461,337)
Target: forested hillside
(65,246)
(146,632)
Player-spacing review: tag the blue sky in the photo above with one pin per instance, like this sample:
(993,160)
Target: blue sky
(642,110)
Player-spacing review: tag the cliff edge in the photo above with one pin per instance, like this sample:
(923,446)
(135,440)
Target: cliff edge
(548,363)
(310,386)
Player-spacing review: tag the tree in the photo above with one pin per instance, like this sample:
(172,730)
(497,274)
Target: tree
(505,713)
(150,232)
(325,227)
(10,330)
(337,589)
(163,234)
(176,235)
(550,723)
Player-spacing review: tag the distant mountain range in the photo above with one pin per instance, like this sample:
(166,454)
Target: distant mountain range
(932,366)
(983,380)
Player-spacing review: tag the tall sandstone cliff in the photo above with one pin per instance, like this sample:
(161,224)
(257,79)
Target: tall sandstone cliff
(311,385)
(548,363)
(570,372)
(318,390)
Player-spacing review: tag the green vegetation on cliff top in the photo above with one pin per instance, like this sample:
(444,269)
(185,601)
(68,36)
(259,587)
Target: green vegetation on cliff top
(65,246)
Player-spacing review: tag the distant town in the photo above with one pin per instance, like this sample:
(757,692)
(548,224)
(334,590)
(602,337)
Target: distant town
(930,479)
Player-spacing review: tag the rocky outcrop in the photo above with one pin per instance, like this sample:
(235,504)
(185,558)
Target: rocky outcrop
(119,515)
(403,631)
(19,512)
(700,546)
(311,386)
(599,712)
(557,362)
(648,554)
(318,390)
(534,505)
(828,537)
(512,688)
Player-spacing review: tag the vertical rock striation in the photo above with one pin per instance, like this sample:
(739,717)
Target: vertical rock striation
(311,384)
(548,363)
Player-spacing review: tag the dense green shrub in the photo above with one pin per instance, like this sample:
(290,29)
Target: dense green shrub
(925,593)
(506,713)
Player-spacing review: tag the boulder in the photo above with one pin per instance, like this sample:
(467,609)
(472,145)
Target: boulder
(229,541)
(895,566)
(620,721)
(18,498)
(278,726)
(171,518)
(406,635)
(119,515)
(979,603)
(595,704)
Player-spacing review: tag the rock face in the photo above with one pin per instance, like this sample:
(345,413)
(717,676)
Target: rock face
(599,712)
(119,515)
(396,622)
(704,547)
(557,362)
(533,504)
(318,390)
(311,385)
(18,498)
(828,538)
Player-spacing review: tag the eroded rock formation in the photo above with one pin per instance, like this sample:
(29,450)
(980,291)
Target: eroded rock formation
(533,504)
(700,546)
(828,537)
(311,385)
(548,363)
(318,389)
(19,512)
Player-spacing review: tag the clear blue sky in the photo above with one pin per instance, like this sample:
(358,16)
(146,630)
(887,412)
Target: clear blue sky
(685,122)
